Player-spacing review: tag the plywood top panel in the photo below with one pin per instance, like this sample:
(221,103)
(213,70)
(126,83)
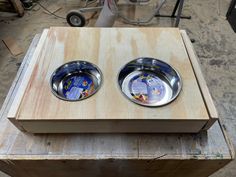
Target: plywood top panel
(110,49)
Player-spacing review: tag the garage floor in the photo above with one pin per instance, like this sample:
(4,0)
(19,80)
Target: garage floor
(215,45)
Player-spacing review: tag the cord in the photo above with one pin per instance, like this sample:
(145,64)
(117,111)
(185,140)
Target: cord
(49,11)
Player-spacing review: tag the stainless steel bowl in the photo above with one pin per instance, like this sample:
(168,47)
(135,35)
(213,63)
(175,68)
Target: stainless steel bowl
(76,80)
(149,82)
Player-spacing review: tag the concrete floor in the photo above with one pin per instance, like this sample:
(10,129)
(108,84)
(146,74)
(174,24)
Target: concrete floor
(215,45)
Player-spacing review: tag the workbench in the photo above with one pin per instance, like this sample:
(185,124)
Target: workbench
(179,155)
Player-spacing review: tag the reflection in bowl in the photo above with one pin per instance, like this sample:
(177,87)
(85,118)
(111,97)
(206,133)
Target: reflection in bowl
(76,80)
(149,82)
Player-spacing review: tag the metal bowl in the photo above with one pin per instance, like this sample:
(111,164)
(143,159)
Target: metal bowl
(149,82)
(76,80)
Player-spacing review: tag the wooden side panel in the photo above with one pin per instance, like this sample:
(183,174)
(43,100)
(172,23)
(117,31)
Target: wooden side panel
(112,168)
(201,81)
(18,80)
(25,81)
(113,126)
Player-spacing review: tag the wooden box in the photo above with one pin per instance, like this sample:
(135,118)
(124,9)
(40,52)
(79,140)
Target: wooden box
(37,110)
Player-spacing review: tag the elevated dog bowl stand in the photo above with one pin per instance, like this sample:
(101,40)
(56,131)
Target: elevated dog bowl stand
(37,110)
(180,155)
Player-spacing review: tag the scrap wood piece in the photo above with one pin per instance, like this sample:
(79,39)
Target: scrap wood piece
(12,45)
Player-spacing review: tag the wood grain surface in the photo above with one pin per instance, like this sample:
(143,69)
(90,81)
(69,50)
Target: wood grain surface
(110,49)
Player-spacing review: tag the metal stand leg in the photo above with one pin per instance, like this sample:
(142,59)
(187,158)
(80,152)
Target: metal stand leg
(175,8)
(179,5)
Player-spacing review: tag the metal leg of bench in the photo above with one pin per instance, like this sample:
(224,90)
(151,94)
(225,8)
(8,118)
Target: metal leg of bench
(175,8)
(179,6)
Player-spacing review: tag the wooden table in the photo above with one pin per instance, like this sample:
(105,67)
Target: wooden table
(24,154)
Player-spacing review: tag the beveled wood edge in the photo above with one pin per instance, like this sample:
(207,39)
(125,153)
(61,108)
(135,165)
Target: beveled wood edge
(23,86)
(24,64)
(18,78)
(212,111)
(115,156)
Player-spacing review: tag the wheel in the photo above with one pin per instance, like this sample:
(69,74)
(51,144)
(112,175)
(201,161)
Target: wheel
(76,19)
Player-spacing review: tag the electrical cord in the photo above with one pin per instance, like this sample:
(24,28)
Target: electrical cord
(49,11)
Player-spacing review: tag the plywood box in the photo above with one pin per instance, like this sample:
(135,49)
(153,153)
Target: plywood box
(36,109)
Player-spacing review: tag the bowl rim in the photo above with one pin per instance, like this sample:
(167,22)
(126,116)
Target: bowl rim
(67,63)
(149,105)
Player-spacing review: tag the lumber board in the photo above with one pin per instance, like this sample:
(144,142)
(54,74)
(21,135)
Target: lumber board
(18,98)
(72,154)
(201,81)
(21,71)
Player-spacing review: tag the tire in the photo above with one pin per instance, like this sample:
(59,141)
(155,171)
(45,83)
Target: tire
(75,19)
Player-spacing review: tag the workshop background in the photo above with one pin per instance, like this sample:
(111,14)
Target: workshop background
(215,44)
